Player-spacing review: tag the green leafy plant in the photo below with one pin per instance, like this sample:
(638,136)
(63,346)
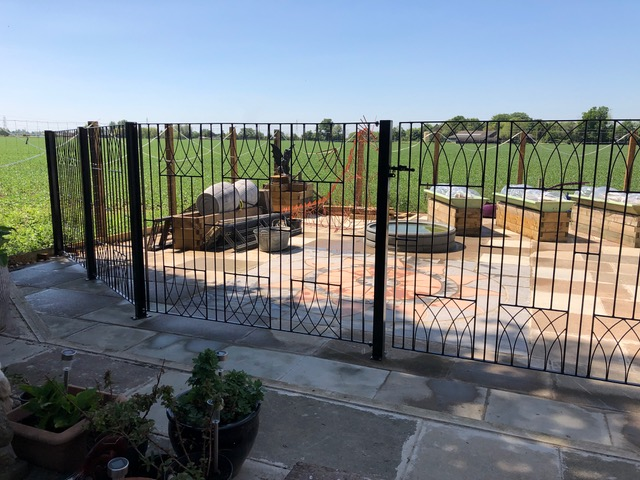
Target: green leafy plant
(4,258)
(128,418)
(54,409)
(236,391)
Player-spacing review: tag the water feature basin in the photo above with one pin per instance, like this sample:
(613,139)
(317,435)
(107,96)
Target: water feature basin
(416,236)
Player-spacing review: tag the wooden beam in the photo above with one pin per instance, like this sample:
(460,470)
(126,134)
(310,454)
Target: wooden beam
(521,154)
(169,156)
(631,153)
(233,153)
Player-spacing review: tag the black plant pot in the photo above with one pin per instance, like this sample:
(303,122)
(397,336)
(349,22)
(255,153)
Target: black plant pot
(235,440)
(225,467)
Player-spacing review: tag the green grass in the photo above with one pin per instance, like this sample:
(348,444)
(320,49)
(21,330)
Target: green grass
(24,198)
(24,194)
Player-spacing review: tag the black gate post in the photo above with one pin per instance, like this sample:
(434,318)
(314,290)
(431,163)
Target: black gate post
(382,240)
(135,210)
(89,236)
(54,192)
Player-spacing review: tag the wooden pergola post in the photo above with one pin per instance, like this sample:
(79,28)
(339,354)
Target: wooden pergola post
(359,168)
(97,178)
(436,156)
(521,155)
(631,153)
(233,153)
(169,155)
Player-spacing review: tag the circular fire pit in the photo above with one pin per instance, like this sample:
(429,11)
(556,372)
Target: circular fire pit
(418,237)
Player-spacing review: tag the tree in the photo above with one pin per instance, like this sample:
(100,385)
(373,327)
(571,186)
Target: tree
(325,128)
(4,132)
(598,128)
(510,124)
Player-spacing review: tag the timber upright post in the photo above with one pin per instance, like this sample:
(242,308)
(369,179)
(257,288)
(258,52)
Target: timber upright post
(89,237)
(359,177)
(54,192)
(135,214)
(97,176)
(631,154)
(169,155)
(436,157)
(521,155)
(382,240)
(233,153)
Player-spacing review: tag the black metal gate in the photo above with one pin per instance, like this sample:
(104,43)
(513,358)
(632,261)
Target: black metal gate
(550,282)
(541,271)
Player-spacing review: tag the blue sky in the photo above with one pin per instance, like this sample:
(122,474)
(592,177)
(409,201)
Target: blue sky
(287,61)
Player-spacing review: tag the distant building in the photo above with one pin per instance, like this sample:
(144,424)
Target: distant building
(490,136)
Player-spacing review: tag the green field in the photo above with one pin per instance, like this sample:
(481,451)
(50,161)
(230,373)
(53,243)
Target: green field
(24,198)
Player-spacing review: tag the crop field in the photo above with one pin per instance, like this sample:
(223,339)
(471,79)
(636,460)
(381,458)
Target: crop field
(330,166)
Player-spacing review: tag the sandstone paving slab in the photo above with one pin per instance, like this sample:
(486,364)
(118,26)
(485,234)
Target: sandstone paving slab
(547,416)
(449,396)
(117,313)
(449,452)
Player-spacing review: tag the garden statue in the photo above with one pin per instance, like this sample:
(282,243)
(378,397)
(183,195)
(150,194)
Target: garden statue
(281,161)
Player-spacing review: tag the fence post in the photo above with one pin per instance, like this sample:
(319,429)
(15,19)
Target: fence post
(382,240)
(135,212)
(89,235)
(54,192)
(631,154)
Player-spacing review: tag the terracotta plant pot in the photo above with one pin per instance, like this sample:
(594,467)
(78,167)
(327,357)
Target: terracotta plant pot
(63,452)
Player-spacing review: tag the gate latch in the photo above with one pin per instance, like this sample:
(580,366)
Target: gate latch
(400,168)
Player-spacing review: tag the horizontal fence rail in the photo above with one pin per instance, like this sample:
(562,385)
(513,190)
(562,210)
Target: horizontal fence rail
(511,242)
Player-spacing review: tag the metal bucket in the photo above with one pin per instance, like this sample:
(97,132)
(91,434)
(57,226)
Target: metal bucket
(247,192)
(273,239)
(218,198)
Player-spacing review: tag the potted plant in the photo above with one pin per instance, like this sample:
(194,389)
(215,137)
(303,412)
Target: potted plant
(234,394)
(121,429)
(50,429)
(4,277)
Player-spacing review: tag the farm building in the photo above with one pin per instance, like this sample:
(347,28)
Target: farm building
(490,136)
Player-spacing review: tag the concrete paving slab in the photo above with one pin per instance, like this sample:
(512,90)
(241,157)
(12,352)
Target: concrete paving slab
(264,364)
(305,471)
(62,327)
(296,428)
(172,348)
(14,350)
(283,341)
(87,370)
(547,416)
(60,302)
(449,452)
(336,377)
(580,466)
(109,338)
(48,274)
(121,313)
(449,396)
(196,327)
(84,285)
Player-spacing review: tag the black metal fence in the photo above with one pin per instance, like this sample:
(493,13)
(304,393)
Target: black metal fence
(541,270)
